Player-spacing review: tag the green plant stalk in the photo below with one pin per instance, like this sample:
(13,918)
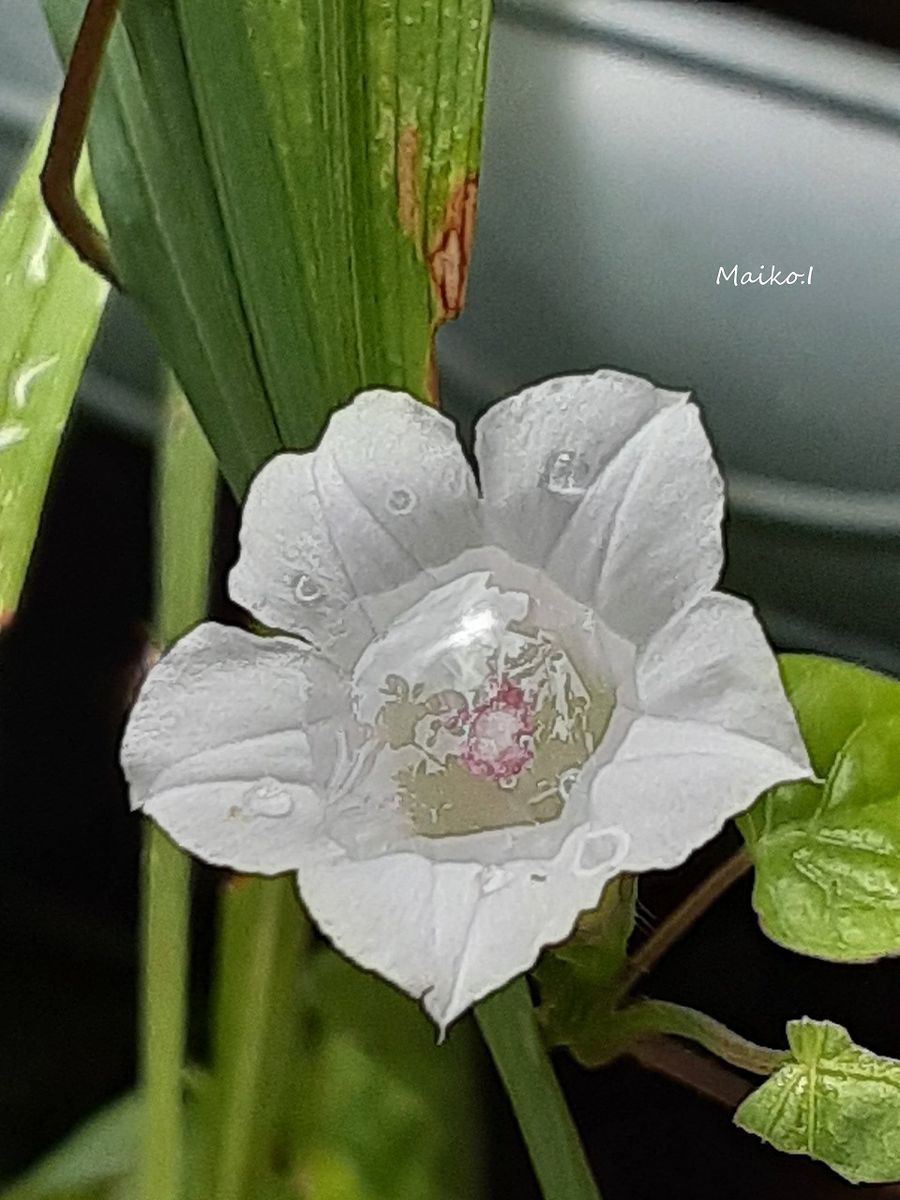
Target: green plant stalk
(255,1008)
(647,1017)
(186,481)
(509,1027)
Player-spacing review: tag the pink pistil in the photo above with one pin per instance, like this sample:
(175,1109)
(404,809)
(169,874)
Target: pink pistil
(498,736)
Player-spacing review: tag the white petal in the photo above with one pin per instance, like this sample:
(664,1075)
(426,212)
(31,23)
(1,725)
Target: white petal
(712,663)
(629,518)
(232,742)
(673,784)
(451,932)
(387,494)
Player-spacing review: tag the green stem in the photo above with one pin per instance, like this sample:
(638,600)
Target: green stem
(650,1017)
(186,481)
(254,1014)
(165,911)
(678,922)
(509,1027)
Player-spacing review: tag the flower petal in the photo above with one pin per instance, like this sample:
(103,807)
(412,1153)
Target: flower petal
(712,663)
(610,485)
(231,744)
(451,932)
(386,495)
(674,783)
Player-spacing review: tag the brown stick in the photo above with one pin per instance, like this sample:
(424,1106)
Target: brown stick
(67,139)
(706,1076)
(678,922)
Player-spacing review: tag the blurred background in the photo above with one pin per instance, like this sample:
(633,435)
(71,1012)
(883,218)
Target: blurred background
(632,149)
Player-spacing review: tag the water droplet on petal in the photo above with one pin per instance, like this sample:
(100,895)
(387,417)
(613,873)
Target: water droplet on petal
(602,850)
(401,501)
(567,473)
(493,879)
(306,589)
(567,781)
(268,798)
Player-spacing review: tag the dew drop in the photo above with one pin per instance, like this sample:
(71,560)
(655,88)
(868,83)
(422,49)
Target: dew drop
(493,879)
(21,383)
(306,589)
(401,501)
(602,850)
(36,269)
(567,473)
(268,798)
(507,782)
(12,434)
(567,781)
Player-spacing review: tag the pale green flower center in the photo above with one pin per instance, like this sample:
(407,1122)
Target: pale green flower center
(486,702)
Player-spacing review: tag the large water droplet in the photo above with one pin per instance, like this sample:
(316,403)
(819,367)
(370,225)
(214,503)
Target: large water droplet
(507,782)
(268,798)
(567,473)
(12,434)
(493,879)
(21,383)
(602,850)
(401,501)
(36,269)
(306,589)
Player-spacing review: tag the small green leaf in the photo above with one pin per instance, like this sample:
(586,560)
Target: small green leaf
(50,306)
(827,853)
(578,979)
(832,1101)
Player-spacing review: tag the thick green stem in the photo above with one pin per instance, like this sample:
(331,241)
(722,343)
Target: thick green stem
(509,1027)
(652,1017)
(165,905)
(186,482)
(254,1016)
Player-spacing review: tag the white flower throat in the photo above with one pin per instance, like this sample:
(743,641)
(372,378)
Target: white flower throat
(484,702)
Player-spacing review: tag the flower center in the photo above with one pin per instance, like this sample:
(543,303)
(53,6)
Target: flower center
(484,702)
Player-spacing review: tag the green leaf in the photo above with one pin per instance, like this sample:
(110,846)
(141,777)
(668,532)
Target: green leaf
(97,1156)
(578,980)
(395,1115)
(50,306)
(834,1102)
(831,699)
(290,192)
(827,853)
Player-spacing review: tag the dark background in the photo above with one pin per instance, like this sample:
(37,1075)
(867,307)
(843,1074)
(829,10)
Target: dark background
(68,853)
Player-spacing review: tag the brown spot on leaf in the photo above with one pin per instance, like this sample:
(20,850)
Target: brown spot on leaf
(448,259)
(407,181)
(6,619)
(448,267)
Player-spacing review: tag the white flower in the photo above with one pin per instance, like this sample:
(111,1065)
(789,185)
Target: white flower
(502,700)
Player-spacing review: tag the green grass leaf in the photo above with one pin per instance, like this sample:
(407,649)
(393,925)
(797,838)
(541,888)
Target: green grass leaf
(92,1161)
(826,853)
(50,306)
(290,194)
(832,1101)
(395,1116)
